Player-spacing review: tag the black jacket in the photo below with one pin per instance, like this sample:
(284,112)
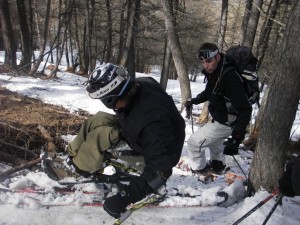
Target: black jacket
(228,99)
(152,126)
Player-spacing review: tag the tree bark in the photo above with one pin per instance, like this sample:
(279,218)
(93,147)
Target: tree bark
(281,106)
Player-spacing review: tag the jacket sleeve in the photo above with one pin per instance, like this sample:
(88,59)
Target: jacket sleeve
(204,95)
(234,90)
(160,148)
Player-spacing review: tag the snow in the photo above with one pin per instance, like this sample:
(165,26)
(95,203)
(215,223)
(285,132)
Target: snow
(68,90)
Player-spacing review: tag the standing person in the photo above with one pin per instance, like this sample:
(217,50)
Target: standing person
(149,122)
(229,108)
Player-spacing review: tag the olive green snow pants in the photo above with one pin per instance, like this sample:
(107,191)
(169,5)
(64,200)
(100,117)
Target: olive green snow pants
(98,133)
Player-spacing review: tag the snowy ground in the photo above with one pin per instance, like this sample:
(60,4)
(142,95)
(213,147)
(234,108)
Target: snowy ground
(67,90)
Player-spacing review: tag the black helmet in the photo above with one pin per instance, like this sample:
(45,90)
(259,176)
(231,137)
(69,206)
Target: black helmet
(108,83)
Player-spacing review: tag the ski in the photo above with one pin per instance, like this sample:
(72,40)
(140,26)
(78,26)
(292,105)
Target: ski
(41,191)
(98,198)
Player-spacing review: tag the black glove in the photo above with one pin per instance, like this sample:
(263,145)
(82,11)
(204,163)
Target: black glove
(231,146)
(135,191)
(116,205)
(189,107)
(188,104)
(285,182)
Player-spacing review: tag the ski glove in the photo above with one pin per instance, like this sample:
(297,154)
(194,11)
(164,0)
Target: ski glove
(137,189)
(231,147)
(189,106)
(116,205)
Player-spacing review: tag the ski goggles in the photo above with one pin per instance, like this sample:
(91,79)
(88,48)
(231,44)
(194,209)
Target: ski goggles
(206,54)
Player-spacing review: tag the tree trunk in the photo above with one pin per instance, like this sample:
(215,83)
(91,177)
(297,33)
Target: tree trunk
(166,66)
(121,33)
(245,21)
(8,37)
(26,40)
(281,106)
(261,49)
(253,22)
(128,59)
(44,41)
(109,32)
(265,34)
(177,54)
(223,24)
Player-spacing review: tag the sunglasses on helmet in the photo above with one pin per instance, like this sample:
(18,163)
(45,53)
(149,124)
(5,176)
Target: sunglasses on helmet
(206,54)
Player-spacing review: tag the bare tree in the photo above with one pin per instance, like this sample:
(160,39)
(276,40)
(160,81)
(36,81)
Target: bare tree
(166,66)
(44,41)
(26,37)
(8,37)
(223,23)
(109,32)
(282,102)
(253,22)
(176,50)
(121,32)
(128,59)
(245,21)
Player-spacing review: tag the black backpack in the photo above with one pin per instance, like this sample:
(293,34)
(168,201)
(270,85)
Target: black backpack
(245,63)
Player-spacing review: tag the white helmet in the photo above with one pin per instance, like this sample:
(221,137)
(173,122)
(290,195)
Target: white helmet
(108,83)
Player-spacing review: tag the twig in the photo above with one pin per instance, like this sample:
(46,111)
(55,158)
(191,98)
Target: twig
(18,168)
(50,141)
(19,148)
(5,157)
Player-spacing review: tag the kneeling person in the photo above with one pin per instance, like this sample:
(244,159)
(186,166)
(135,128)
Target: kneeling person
(149,122)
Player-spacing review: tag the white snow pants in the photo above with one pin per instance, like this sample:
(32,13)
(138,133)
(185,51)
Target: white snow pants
(212,135)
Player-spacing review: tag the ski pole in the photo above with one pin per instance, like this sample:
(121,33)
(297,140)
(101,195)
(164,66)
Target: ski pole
(278,201)
(148,200)
(240,167)
(274,193)
(192,118)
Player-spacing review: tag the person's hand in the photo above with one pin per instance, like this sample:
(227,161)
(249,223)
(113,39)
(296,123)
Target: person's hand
(231,146)
(137,189)
(115,205)
(285,182)
(188,106)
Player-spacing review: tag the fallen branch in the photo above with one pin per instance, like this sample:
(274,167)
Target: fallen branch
(18,168)
(5,157)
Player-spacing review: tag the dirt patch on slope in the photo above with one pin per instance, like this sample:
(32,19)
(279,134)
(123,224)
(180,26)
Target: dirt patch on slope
(25,123)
